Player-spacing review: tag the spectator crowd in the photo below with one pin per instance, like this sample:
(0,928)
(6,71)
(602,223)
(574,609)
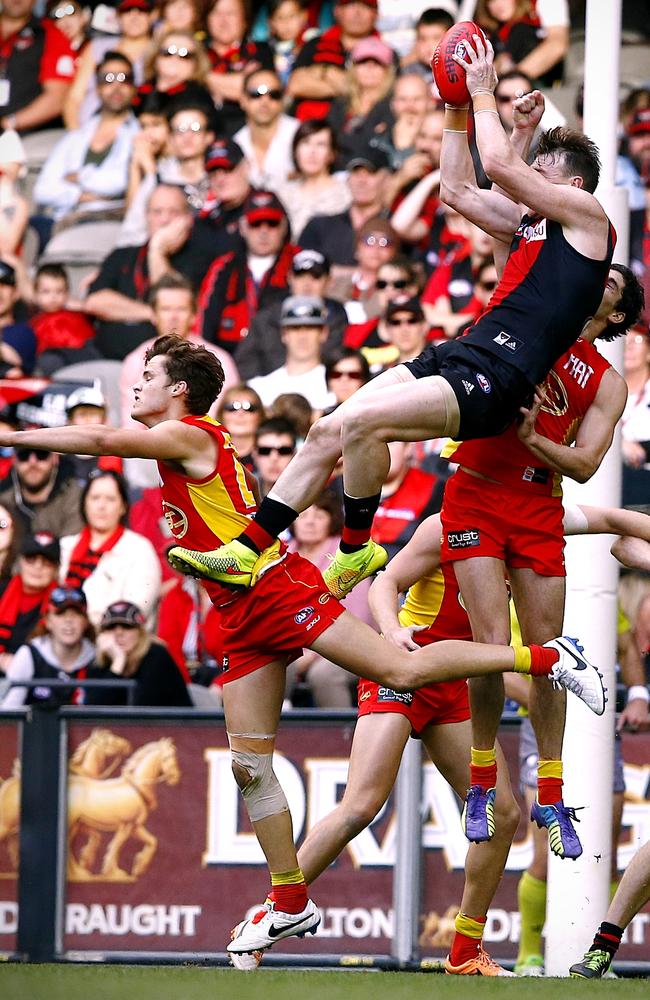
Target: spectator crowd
(263,179)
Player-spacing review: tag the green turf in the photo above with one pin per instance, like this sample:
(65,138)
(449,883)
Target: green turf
(110,982)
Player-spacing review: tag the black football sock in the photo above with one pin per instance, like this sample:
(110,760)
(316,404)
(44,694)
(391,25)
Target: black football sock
(271,520)
(359,513)
(608,938)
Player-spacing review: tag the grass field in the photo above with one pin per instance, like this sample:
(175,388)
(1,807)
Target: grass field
(112,982)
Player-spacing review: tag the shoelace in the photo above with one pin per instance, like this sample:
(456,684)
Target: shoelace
(595,960)
(571,812)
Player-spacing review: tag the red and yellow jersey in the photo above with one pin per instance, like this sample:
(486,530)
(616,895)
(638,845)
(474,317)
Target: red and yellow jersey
(205,513)
(435,601)
(571,388)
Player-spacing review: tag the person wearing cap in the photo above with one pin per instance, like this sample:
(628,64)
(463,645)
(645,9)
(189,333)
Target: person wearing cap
(303,324)
(173,303)
(406,327)
(319,73)
(135,20)
(14,207)
(25,598)
(228,188)
(335,235)
(313,189)
(62,649)
(249,278)
(364,109)
(17,339)
(86,173)
(87,405)
(267,137)
(127,651)
(38,67)
(638,142)
(263,350)
(118,297)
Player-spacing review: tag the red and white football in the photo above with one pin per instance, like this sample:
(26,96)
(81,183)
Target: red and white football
(448,75)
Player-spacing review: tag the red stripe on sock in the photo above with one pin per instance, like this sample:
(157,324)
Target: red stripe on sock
(486,777)
(549,791)
(289,898)
(463,948)
(258,536)
(542,660)
(355,536)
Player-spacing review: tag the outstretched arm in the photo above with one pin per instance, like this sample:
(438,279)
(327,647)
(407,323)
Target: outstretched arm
(576,209)
(490,210)
(631,548)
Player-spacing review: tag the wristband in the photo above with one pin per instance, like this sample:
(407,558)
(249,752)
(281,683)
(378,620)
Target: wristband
(483,100)
(638,691)
(456,119)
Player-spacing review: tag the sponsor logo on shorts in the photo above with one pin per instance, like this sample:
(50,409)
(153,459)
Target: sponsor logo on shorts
(387,694)
(303,615)
(463,539)
(468,386)
(484,382)
(324,598)
(504,339)
(313,622)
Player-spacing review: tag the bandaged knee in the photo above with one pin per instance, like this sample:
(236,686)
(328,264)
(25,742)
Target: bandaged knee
(258,783)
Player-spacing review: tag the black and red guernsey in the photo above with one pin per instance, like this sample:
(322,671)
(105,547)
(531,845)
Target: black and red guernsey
(547,292)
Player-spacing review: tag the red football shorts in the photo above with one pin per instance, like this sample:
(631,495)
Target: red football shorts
(285,611)
(480,518)
(433,705)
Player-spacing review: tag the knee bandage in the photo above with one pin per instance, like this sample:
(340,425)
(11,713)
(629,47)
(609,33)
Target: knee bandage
(261,789)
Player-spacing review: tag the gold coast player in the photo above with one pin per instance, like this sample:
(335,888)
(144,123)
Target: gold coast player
(207,497)
(553,280)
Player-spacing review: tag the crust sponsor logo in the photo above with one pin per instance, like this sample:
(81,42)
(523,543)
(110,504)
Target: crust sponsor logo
(467,539)
(303,615)
(385,694)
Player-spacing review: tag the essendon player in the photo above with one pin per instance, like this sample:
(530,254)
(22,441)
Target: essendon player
(208,497)
(503,508)
(552,282)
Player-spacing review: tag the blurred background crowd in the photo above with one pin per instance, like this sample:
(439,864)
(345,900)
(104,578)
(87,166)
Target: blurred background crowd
(262,178)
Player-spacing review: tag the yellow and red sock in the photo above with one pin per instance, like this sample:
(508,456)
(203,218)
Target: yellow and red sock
(483,768)
(467,939)
(288,891)
(549,782)
(538,661)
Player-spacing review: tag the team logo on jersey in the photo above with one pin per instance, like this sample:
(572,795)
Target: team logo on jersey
(504,339)
(365,696)
(484,382)
(176,519)
(467,539)
(303,615)
(468,386)
(324,598)
(556,401)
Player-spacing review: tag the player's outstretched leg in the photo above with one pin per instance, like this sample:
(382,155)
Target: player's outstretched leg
(574,673)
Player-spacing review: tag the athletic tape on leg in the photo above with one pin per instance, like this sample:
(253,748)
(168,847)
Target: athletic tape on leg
(262,791)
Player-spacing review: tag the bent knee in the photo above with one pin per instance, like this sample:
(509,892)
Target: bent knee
(361,816)
(507,816)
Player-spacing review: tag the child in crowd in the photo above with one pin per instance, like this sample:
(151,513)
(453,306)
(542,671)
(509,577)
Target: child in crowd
(64,334)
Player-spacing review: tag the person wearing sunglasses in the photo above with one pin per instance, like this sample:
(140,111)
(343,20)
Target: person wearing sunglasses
(62,649)
(135,20)
(275,446)
(87,172)
(263,350)
(41,493)
(267,137)
(376,244)
(346,372)
(398,277)
(241,412)
(242,282)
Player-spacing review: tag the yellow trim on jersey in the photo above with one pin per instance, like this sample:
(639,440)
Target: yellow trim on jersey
(450,448)
(423,600)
